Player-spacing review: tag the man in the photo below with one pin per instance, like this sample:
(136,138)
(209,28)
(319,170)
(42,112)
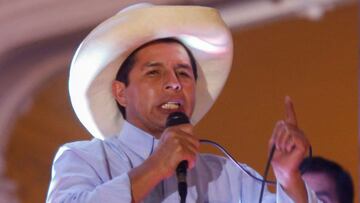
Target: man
(172,59)
(331,183)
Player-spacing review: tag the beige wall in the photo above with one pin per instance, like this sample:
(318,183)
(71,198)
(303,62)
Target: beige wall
(316,63)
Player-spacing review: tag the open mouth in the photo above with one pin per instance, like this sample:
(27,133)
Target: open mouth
(171,105)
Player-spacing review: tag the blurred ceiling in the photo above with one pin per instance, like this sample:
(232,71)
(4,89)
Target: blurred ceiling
(24,21)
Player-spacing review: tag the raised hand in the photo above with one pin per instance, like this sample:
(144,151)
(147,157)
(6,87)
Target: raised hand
(291,147)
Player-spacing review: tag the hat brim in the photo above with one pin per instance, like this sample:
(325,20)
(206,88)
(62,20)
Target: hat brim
(102,52)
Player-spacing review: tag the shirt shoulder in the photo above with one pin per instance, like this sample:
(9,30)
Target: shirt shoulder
(88,150)
(224,163)
(84,145)
(212,158)
(216,163)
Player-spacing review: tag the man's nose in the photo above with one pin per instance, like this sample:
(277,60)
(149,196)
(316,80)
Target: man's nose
(172,82)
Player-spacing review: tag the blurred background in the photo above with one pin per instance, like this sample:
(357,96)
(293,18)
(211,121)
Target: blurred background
(307,49)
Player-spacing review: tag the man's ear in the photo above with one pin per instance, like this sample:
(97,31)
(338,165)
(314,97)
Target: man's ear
(118,91)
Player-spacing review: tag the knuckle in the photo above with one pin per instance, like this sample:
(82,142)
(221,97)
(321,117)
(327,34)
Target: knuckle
(279,123)
(179,149)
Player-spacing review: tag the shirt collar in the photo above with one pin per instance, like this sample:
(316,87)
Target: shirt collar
(139,141)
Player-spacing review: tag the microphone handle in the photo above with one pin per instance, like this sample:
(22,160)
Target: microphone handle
(181,177)
(181,170)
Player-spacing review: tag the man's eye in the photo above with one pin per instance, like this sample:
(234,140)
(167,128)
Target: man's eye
(184,73)
(152,72)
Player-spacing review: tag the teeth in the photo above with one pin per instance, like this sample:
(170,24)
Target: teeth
(170,105)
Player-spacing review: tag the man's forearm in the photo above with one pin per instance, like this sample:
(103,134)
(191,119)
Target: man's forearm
(144,178)
(296,189)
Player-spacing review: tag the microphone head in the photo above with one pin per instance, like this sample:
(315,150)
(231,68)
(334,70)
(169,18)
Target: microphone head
(176,118)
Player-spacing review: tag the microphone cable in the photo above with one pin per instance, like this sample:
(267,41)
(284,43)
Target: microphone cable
(267,167)
(264,180)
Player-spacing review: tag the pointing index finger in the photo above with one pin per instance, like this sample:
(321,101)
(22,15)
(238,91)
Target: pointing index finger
(290,116)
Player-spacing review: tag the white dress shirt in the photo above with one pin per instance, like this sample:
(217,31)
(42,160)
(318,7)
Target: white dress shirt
(96,171)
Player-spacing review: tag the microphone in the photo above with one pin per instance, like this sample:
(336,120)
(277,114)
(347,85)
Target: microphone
(177,118)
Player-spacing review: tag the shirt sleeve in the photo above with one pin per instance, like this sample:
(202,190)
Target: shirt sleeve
(282,197)
(75,179)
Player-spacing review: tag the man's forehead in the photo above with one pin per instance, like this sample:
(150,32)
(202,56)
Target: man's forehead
(192,61)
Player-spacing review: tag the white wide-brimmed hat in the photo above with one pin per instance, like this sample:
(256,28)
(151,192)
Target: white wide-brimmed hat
(99,56)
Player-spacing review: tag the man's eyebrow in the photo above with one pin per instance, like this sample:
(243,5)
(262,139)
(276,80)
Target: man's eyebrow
(153,63)
(184,65)
(156,64)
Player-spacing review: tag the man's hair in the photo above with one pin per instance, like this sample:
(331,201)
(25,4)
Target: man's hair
(125,68)
(342,179)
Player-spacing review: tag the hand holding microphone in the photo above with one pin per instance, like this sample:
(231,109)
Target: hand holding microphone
(177,149)
(177,143)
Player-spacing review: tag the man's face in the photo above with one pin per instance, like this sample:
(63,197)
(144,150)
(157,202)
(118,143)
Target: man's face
(322,185)
(160,82)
